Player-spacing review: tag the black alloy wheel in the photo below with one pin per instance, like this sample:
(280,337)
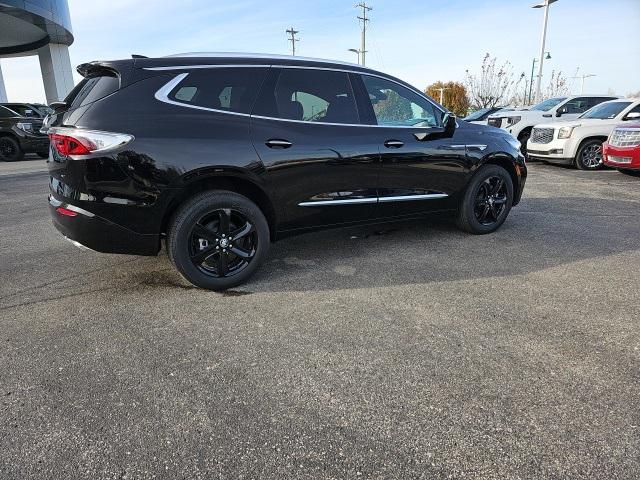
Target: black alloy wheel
(218,239)
(491,200)
(589,156)
(10,150)
(487,201)
(223,243)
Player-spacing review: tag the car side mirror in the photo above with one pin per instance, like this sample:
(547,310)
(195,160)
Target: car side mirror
(449,123)
(560,111)
(632,116)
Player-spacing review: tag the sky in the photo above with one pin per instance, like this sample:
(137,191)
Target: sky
(420,41)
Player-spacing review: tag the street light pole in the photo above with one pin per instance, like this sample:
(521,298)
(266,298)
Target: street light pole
(543,39)
(357,52)
(533,66)
(583,76)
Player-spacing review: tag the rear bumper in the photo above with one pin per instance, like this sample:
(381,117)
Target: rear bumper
(99,234)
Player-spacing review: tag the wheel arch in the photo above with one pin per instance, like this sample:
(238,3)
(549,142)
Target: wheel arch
(505,161)
(230,181)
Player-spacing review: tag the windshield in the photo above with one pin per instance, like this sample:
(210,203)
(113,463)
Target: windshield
(548,104)
(605,111)
(477,115)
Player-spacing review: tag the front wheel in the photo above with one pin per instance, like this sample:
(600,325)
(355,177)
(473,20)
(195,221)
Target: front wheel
(218,239)
(589,156)
(487,201)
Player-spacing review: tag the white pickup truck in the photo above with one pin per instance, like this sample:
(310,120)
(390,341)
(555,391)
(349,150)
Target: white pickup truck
(520,122)
(579,142)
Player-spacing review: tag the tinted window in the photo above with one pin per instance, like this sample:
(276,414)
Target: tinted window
(478,114)
(24,110)
(6,113)
(576,105)
(548,104)
(312,96)
(593,101)
(606,110)
(394,104)
(91,89)
(232,89)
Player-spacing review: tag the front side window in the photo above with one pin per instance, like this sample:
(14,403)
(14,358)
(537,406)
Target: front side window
(548,104)
(395,105)
(576,105)
(606,111)
(309,95)
(6,113)
(232,89)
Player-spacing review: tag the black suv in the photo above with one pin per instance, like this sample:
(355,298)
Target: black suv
(20,135)
(222,153)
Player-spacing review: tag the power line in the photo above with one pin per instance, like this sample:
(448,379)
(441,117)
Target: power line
(583,76)
(363,48)
(293,40)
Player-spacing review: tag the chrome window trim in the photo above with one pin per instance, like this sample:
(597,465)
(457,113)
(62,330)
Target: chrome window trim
(395,198)
(163,93)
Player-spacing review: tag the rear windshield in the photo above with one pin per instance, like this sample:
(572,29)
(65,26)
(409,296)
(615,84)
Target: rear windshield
(93,88)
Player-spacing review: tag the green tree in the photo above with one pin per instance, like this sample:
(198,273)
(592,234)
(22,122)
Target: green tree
(454,96)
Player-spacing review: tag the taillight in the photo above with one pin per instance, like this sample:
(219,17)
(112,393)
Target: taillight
(76,142)
(66,212)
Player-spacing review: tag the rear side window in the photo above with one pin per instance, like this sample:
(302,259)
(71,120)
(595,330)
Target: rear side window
(232,89)
(92,89)
(310,95)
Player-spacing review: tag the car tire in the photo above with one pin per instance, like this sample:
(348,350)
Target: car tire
(626,171)
(589,155)
(217,239)
(523,138)
(487,201)
(10,150)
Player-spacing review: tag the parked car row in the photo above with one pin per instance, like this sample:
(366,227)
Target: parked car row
(20,126)
(569,130)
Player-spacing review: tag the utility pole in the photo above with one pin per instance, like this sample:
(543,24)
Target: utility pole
(293,40)
(583,76)
(545,4)
(363,48)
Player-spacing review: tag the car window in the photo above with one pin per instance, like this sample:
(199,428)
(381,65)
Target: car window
(548,104)
(575,105)
(91,89)
(233,89)
(24,110)
(6,113)
(312,96)
(593,101)
(478,114)
(635,109)
(395,105)
(605,111)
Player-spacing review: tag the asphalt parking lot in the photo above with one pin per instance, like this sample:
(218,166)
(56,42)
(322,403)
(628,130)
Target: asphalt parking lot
(404,351)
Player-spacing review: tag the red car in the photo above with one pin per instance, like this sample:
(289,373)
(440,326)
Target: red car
(622,149)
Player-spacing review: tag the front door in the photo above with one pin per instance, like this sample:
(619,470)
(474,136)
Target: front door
(320,161)
(423,168)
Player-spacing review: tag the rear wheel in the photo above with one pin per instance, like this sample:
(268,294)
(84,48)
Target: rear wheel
(487,201)
(589,156)
(10,150)
(218,239)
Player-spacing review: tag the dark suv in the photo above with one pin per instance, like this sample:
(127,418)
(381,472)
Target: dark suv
(222,153)
(20,135)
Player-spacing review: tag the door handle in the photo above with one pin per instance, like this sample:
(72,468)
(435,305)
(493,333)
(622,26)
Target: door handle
(393,144)
(278,143)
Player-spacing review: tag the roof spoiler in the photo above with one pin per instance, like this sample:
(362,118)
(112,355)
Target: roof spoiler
(91,68)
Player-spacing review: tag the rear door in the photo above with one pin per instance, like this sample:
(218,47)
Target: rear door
(320,161)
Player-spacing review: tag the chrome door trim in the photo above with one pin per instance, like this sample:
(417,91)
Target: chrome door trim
(346,201)
(406,198)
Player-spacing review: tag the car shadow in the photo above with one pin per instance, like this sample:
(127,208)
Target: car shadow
(540,233)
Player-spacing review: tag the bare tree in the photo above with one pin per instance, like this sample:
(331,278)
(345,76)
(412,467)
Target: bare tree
(494,85)
(558,86)
(633,94)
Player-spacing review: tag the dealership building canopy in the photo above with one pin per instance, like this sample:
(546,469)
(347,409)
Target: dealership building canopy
(42,28)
